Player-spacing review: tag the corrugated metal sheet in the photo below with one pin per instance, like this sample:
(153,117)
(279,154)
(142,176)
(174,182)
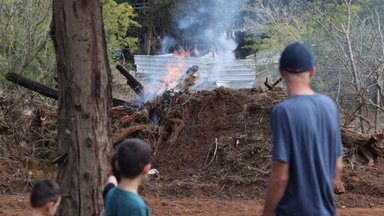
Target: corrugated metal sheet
(232,74)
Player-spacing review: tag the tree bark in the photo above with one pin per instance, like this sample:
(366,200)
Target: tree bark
(84,104)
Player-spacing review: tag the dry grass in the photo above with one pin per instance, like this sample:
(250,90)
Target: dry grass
(24,150)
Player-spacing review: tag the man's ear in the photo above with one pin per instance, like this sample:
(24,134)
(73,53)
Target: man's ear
(146,169)
(49,208)
(280,72)
(312,72)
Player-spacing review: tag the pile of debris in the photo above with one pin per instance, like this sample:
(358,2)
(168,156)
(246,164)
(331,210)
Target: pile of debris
(128,118)
(219,140)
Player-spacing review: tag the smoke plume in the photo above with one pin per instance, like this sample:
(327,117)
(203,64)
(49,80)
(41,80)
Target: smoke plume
(208,25)
(204,26)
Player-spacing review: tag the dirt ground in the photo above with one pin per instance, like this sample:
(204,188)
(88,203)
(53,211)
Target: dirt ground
(218,165)
(17,205)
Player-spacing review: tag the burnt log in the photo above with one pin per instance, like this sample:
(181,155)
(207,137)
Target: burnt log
(44,90)
(192,70)
(188,79)
(272,86)
(182,84)
(131,80)
(32,85)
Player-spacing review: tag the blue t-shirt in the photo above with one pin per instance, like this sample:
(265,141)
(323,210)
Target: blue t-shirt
(306,135)
(123,203)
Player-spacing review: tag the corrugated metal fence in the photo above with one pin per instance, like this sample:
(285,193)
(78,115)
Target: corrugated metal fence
(212,72)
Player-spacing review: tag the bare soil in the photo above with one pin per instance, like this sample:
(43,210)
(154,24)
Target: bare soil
(218,165)
(17,205)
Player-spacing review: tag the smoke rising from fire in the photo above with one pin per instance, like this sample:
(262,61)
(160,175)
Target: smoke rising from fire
(208,25)
(204,26)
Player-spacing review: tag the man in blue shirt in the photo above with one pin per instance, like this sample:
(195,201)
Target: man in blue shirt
(307,148)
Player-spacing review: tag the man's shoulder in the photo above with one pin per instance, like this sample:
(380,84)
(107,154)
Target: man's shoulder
(294,101)
(325,98)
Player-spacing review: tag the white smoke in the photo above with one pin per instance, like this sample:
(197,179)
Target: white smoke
(205,26)
(208,26)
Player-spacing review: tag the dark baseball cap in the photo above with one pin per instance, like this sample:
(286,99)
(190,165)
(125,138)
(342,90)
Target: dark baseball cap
(296,58)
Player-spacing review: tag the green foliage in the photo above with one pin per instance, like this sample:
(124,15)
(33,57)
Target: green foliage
(271,29)
(25,42)
(25,45)
(118,20)
(347,40)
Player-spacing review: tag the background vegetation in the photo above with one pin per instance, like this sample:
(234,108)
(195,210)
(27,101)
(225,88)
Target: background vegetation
(345,35)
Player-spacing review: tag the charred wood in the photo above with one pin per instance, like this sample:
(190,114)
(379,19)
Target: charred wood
(131,80)
(32,85)
(271,86)
(44,90)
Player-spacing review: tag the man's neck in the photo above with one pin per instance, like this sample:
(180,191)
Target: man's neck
(130,185)
(299,90)
(37,212)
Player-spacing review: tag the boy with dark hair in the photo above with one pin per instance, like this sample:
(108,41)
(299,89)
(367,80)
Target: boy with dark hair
(133,164)
(45,198)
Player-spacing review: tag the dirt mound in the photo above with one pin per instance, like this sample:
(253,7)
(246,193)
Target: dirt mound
(225,143)
(224,150)
(221,148)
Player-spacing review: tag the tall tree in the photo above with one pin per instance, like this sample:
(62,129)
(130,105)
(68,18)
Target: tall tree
(84,103)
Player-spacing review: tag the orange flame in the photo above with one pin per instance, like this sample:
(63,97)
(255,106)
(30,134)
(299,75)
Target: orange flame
(175,70)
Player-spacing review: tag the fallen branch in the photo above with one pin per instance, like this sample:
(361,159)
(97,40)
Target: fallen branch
(44,90)
(269,86)
(128,119)
(338,185)
(131,80)
(177,125)
(117,112)
(369,145)
(159,141)
(213,156)
(32,85)
(128,131)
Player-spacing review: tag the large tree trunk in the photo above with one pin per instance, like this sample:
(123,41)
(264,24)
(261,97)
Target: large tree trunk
(84,104)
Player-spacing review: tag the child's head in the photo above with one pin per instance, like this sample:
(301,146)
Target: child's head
(134,157)
(45,197)
(115,171)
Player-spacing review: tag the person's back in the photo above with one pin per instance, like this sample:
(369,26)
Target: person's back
(312,122)
(307,148)
(120,202)
(133,164)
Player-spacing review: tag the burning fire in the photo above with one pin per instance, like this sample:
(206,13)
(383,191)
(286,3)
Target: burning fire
(175,70)
(174,76)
